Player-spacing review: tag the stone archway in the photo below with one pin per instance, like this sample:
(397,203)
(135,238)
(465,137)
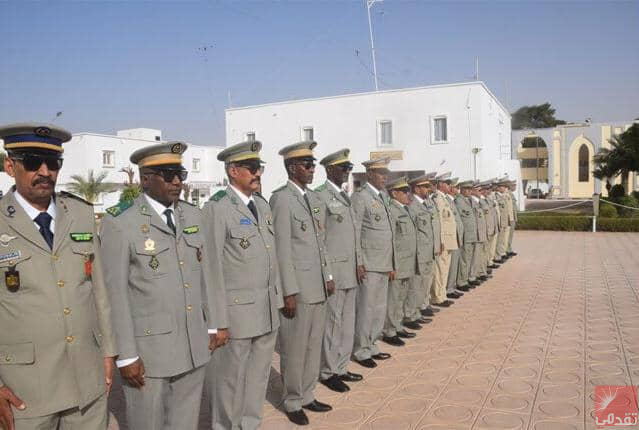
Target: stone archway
(581,182)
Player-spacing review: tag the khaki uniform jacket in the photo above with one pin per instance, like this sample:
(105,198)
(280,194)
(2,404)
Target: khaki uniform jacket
(404,240)
(482,235)
(300,243)
(241,251)
(342,237)
(437,228)
(513,199)
(56,327)
(504,211)
(486,207)
(376,236)
(494,210)
(162,295)
(459,223)
(467,217)
(423,220)
(511,208)
(447,221)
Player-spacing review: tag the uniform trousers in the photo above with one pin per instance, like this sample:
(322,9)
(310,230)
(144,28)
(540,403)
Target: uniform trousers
(502,242)
(93,416)
(397,293)
(427,280)
(510,238)
(236,380)
(300,341)
(370,314)
(482,265)
(465,264)
(476,261)
(166,403)
(442,266)
(337,345)
(417,293)
(453,271)
(492,251)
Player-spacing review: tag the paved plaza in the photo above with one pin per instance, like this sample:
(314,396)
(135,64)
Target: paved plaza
(523,351)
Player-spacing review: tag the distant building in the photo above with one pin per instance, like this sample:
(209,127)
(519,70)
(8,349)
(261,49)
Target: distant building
(458,127)
(559,160)
(101,152)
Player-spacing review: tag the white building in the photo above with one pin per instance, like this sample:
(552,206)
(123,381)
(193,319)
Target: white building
(458,127)
(108,153)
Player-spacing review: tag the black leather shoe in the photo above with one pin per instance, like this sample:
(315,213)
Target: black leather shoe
(335,383)
(351,377)
(413,325)
(406,334)
(424,321)
(367,362)
(499,261)
(512,254)
(494,266)
(434,309)
(474,283)
(483,278)
(454,295)
(464,288)
(444,304)
(317,406)
(298,417)
(489,270)
(382,356)
(393,340)
(427,313)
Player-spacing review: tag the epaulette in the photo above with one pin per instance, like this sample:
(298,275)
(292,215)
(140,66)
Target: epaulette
(188,203)
(120,207)
(218,196)
(279,189)
(75,197)
(321,188)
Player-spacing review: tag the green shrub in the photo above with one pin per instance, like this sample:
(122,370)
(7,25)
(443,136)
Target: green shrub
(130,192)
(635,194)
(616,191)
(606,210)
(558,223)
(618,224)
(626,201)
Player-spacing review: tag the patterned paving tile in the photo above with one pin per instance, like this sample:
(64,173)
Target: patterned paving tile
(523,351)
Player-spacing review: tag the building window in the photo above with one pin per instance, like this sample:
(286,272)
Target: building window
(108,158)
(584,163)
(250,136)
(385,133)
(307,133)
(440,129)
(157,138)
(195,166)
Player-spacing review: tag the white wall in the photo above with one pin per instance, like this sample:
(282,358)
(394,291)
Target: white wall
(352,121)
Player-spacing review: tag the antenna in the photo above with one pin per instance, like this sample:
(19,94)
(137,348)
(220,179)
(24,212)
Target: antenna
(477,68)
(369,4)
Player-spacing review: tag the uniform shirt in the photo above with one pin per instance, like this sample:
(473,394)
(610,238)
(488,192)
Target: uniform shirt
(33,212)
(159,208)
(375,190)
(245,199)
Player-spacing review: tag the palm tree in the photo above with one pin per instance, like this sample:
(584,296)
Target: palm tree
(91,187)
(621,158)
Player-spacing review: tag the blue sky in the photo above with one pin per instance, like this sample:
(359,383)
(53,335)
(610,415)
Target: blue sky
(116,65)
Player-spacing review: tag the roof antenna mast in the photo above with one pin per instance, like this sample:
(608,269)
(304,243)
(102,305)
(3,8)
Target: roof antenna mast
(369,4)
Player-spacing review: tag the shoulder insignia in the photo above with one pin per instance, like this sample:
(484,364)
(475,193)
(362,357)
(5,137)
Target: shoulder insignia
(279,189)
(75,197)
(188,203)
(321,187)
(120,207)
(218,196)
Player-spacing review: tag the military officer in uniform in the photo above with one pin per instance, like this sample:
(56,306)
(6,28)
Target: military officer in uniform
(377,262)
(491,226)
(477,270)
(56,358)
(342,247)
(166,309)
(455,258)
(448,240)
(300,219)
(505,219)
(239,234)
(492,197)
(428,246)
(405,250)
(469,220)
(512,187)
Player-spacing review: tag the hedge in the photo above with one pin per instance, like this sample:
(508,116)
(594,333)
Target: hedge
(576,223)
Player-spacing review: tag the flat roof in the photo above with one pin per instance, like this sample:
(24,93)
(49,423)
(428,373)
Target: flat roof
(369,93)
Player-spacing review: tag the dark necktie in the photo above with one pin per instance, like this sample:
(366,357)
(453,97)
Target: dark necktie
(308,203)
(253,209)
(345,196)
(44,222)
(169,219)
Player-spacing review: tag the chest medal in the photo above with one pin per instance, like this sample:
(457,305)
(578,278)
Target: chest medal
(12,279)
(244,243)
(154,263)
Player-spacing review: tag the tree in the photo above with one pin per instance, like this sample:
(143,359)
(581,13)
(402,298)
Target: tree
(621,158)
(130,173)
(536,116)
(91,187)
(130,192)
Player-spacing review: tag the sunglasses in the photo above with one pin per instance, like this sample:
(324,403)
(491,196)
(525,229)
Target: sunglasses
(169,174)
(346,167)
(308,164)
(253,168)
(32,162)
